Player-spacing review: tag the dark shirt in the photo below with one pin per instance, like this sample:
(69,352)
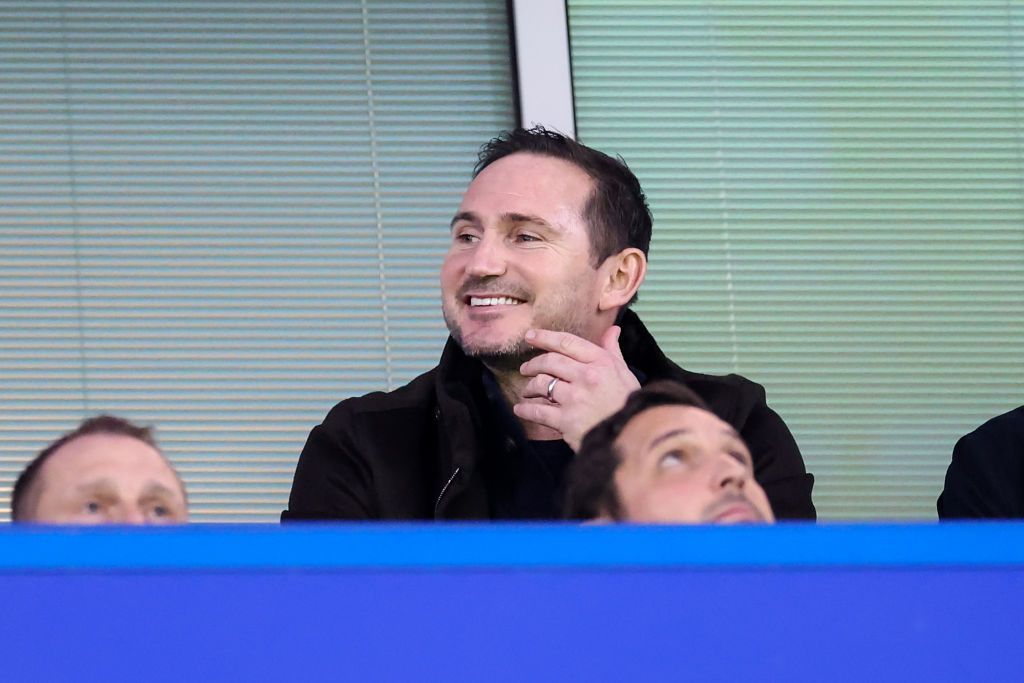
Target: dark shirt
(525,479)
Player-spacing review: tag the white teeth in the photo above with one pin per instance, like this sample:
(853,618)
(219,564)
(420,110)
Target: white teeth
(492,301)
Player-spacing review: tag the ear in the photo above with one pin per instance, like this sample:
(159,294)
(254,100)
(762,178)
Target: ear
(623,273)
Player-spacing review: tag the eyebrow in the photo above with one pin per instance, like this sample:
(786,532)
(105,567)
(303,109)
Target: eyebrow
(511,217)
(107,485)
(467,216)
(97,485)
(668,435)
(155,489)
(729,431)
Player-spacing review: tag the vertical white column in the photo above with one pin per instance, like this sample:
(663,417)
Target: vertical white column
(543,67)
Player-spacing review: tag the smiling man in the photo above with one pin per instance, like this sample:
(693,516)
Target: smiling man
(548,249)
(664,458)
(107,471)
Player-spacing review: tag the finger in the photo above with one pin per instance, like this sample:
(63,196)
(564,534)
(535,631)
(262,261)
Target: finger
(538,387)
(565,343)
(610,341)
(554,364)
(546,414)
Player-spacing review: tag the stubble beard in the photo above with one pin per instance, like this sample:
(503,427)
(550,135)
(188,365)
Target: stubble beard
(565,314)
(501,358)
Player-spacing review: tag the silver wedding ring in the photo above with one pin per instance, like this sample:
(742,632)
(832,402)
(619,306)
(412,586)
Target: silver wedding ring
(551,388)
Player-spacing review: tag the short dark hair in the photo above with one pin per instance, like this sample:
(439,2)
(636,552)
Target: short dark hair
(590,483)
(616,211)
(25,489)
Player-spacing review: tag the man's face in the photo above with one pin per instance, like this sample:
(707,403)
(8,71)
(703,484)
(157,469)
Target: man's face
(108,479)
(683,465)
(520,258)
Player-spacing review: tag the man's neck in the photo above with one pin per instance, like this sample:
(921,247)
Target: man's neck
(512,385)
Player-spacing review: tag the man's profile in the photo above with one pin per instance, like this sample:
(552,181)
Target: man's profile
(107,471)
(665,458)
(548,249)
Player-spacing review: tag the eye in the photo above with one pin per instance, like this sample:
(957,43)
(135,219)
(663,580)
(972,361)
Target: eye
(92,507)
(160,511)
(526,237)
(671,459)
(463,233)
(741,456)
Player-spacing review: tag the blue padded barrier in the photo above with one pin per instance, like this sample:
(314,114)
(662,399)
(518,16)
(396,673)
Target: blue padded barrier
(513,602)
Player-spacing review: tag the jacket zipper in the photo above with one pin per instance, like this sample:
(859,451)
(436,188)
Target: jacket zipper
(437,505)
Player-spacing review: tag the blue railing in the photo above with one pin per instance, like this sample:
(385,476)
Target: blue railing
(340,546)
(493,603)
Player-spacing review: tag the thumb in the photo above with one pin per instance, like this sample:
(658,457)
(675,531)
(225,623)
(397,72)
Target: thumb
(610,341)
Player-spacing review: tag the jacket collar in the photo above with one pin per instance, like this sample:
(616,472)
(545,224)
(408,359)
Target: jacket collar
(458,394)
(641,352)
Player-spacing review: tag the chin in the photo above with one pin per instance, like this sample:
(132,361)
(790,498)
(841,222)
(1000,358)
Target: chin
(503,356)
(477,339)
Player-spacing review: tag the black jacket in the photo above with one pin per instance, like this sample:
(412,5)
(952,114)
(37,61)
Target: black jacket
(986,476)
(415,452)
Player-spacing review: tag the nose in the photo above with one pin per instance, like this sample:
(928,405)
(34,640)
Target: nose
(729,472)
(487,258)
(131,514)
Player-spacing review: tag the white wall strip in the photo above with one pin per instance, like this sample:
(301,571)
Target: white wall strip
(542,55)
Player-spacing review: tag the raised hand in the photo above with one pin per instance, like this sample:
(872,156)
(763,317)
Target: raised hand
(576,384)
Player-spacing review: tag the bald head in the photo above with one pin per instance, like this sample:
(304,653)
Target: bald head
(105,472)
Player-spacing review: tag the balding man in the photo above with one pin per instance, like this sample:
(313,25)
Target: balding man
(107,471)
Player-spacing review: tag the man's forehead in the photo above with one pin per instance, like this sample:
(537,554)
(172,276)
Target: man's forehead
(525,177)
(656,423)
(94,451)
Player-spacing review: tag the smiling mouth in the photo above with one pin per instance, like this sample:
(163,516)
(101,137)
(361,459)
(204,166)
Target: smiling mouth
(484,301)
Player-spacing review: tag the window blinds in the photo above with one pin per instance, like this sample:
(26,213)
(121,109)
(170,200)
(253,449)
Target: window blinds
(221,218)
(837,194)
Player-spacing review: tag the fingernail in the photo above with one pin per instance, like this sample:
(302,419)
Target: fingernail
(530,334)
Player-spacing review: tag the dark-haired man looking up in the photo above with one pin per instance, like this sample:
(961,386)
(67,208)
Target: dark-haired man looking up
(107,471)
(548,249)
(664,458)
